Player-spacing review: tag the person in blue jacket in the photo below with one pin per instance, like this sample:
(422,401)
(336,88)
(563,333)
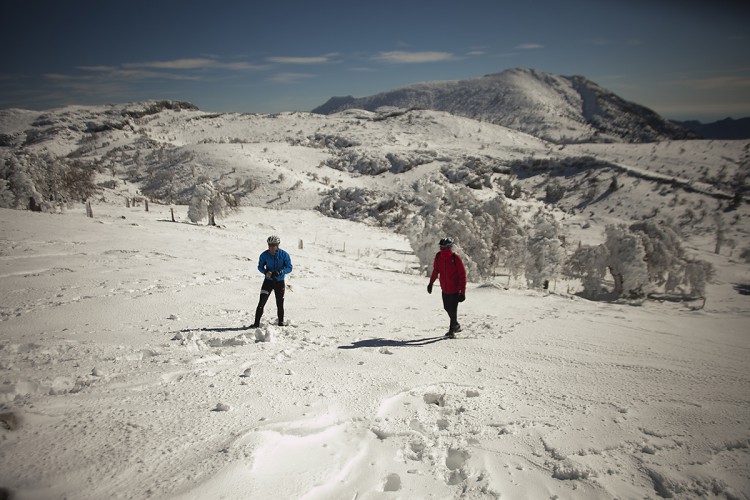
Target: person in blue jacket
(275,264)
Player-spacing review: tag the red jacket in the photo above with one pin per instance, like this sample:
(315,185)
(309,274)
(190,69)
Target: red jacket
(450,268)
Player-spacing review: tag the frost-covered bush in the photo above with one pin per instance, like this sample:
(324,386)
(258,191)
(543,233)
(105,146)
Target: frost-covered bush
(369,163)
(640,258)
(330,141)
(489,233)
(474,173)
(42,182)
(363,163)
(554,191)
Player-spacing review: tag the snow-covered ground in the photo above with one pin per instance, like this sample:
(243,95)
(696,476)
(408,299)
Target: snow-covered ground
(129,371)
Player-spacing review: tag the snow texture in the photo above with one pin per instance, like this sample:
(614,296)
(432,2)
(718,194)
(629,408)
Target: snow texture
(129,368)
(129,365)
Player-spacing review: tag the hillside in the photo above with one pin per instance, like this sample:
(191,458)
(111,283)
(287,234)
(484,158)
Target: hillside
(301,160)
(559,109)
(129,369)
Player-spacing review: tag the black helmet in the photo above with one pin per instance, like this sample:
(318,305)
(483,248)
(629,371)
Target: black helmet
(273,240)
(446,243)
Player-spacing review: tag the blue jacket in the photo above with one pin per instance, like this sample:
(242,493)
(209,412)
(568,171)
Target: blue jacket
(275,263)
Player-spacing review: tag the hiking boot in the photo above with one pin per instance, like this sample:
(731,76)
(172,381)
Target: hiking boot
(453,330)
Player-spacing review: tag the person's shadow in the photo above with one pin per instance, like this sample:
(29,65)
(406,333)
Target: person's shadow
(381,342)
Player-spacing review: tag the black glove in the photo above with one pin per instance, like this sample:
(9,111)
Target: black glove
(429,288)
(461,297)
(278,273)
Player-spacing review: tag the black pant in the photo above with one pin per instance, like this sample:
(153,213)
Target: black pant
(278,288)
(450,304)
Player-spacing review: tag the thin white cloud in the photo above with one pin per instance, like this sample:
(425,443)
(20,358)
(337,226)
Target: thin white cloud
(325,58)
(144,69)
(402,57)
(529,46)
(198,63)
(290,78)
(476,53)
(103,69)
(298,60)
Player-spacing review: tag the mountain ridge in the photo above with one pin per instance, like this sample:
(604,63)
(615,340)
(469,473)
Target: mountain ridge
(559,109)
(728,128)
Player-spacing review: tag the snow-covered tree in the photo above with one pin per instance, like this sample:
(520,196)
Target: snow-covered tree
(697,275)
(506,236)
(664,253)
(21,182)
(43,182)
(207,201)
(626,260)
(589,264)
(545,255)
(7,198)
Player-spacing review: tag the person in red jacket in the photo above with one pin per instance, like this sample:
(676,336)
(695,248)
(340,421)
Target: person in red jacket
(449,267)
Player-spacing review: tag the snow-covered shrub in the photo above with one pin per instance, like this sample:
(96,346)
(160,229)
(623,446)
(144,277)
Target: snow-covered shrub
(554,191)
(20,181)
(330,141)
(488,232)
(363,163)
(641,257)
(369,163)
(42,182)
(474,173)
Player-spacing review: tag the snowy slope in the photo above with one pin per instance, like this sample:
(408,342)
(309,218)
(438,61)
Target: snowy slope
(556,108)
(301,160)
(128,371)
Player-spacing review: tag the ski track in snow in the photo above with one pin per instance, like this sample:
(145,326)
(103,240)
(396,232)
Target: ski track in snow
(134,374)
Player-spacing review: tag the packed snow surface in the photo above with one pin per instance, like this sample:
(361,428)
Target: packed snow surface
(129,371)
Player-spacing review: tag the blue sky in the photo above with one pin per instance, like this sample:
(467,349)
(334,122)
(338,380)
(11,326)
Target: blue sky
(684,59)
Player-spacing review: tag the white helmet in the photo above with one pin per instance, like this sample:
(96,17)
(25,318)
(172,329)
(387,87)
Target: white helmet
(273,240)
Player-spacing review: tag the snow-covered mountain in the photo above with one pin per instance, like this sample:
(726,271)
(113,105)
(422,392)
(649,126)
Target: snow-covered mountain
(561,109)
